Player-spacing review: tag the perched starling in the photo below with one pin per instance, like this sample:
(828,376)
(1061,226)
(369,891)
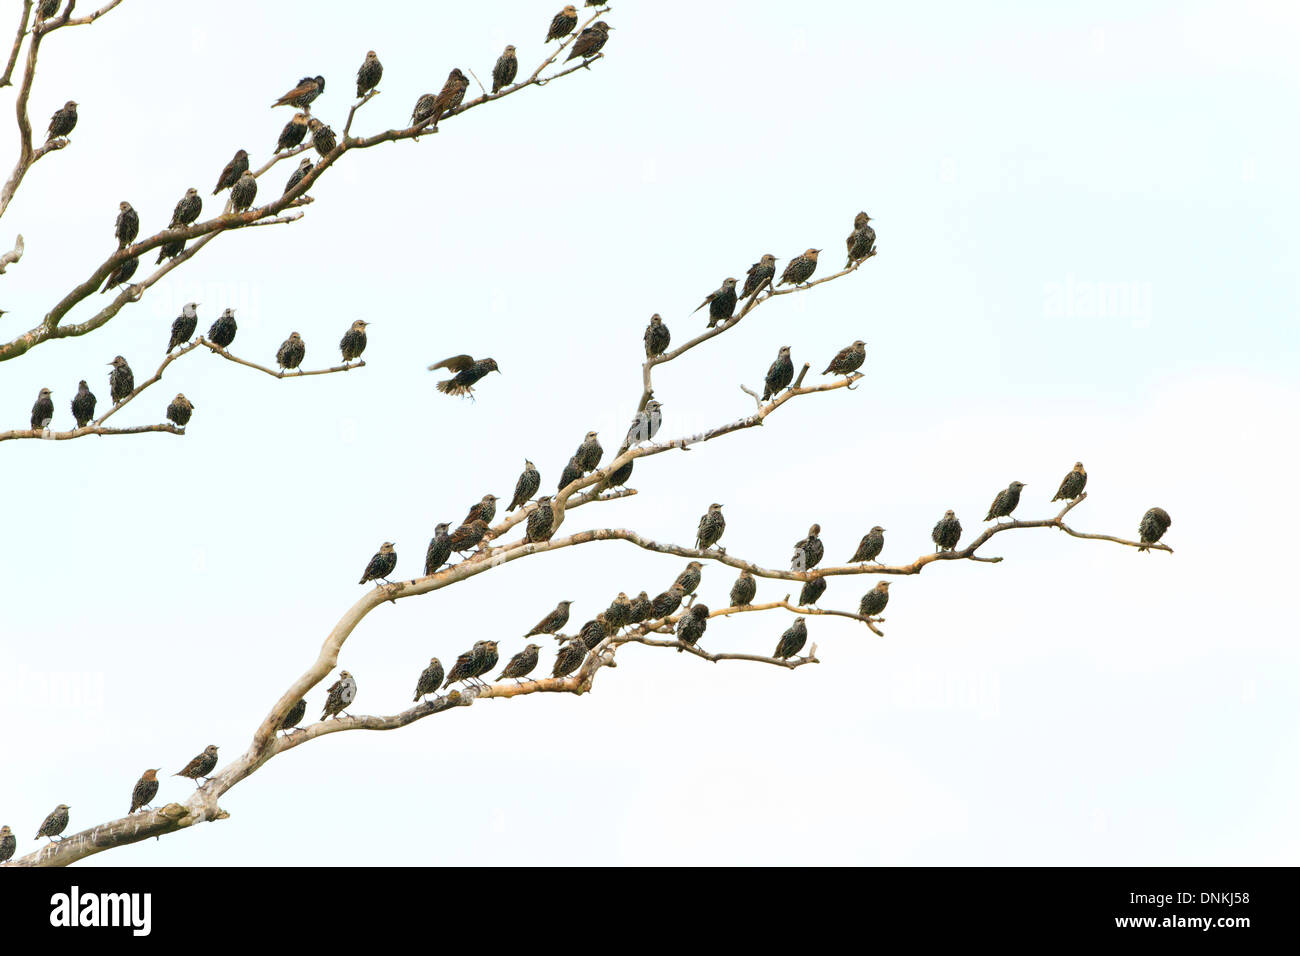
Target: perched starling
(121,273)
(590,41)
(657,337)
(503,74)
(146,788)
(813,588)
(947,532)
(721,302)
(450,96)
(170,250)
(594,631)
(1005,502)
(562,24)
(301,96)
(620,475)
(323,139)
(485,509)
(869,548)
(641,609)
(294,132)
(691,626)
(292,351)
(430,679)
(353,342)
(184,325)
(861,240)
(48,8)
(243,192)
(63,122)
(121,381)
(341,693)
(646,423)
(463,669)
(234,169)
(523,663)
(792,641)
(848,359)
(569,658)
(304,167)
(589,453)
(83,404)
(529,481)
(779,375)
(381,565)
(554,622)
(180,410)
(874,601)
(8,844)
(667,603)
(689,579)
(296,713)
(572,472)
(222,332)
(541,522)
(1153,526)
(202,765)
(55,823)
(468,536)
(743,591)
(187,209)
(1072,484)
(712,524)
(439,549)
(43,410)
(127,226)
(423,108)
(486,659)
(619,612)
(808,552)
(800,269)
(369,75)
(468,371)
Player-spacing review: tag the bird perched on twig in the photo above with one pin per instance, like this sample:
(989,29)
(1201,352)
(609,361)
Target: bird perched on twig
(468,536)
(353,342)
(323,139)
(439,549)
(146,788)
(486,509)
(689,579)
(572,472)
(55,823)
(874,601)
(646,424)
(121,381)
(641,609)
(127,226)
(667,603)
(759,275)
(657,337)
(792,641)
(619,613)
(848,359)
(554,622)
(180,410)
(295,715)
(430,679)
(1005,501)
(947,532)
(341,693)
(562,23)
(529,481)
(621,474)
(590,41)
(83,404)
(170,250)
(200,766)
(800,269)
(187,208)
(861,240)
(522,664)
(503,74)
(569,658)
(121,274)
(369,75)
(463,669)
(486,659)
(808,551)
(302,95)
(1153,526)
(48,8)
(1072,484)
(721,302)
(779,374)
(541,522)
(222,332)
(812,589)
(589,453)
(63,122)
(869,548)
(43,410)
(292,351)
(234,169)
(743,591)
(593,632)
(468,371)
(712,524)
(294,132)
(8,844)
(243,192)
(304,167)
(691,626)
(423,108)
(381,565)
(450,96)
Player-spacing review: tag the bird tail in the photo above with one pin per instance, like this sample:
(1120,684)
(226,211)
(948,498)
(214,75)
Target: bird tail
(448,388)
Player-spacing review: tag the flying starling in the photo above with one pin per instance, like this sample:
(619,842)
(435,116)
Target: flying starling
(121,381)
(759,275)
(127,226)
(341,693)
(779,375)
(369,75)
(620,475)
(721,302)
(848,359)
(646,424)
(187,209)
(1153,526)
(83,404)
(63,122)
(503,74)
(304,167)
(1005,502)
(294,132)
(691,626)
(468,371)
(861,240)
(712,524)
(202,765)
(8,844)
(430,679)
(563,23)
(641,609)
(439,549)
(529,481)
(792,641)
(523,663)
(43,410)
(657,337)
(463,669)
(296,713)
(743,591)
(813,588)
(234,169)
(450,96)
(541,522)
(146,788)
(619,613)
(590,41)
(1072,484)
(869,548)
(323,139)
(808,552)
(667,603)
(874,601)
(292,351)
(468,536)
(243,192)
(55,823)
(947,532)
(689,579)
(554,622)
(569,658)
(381,565)
(800,269)
(353,342)
(180,410)
(593,632)
(485,509)
(121,274)
(301,96)
(222,332)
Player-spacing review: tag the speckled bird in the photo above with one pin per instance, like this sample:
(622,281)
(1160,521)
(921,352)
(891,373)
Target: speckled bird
(463,669)
(381,565)
(522,664)
(43,410)
(743,591)
(692,625)
(792,641)
(55,823)
(619,613)
(759,275)
(1005,501)
(503,74)
(295,715)
(170,250)
(468,371)
(48,8)
(569,658)
(848,359)
(812,589)
(641,609)
(947,532)
(430,679)
(1072,485)
(779,375)
(689,579)
(187,209)
(423,108)
(63,122)
(486,659)
(667,603)
(234,169)
(146,788)
(808,551)
(485,508)
(646,423)
(1153,526)
(657,337)
(341,693)
(302,95)
(121,274)
(594,631)
(589,453)
(468,536)
(710,529)
(541,522)
(450,96)
(554,622)
(83,404)
(800,269)
(183,325)
(244,192)
(874,601)
(620,475)
(353,342)
(305,166)
(369,75)
(121,381)
(439,550)
(8,844)
(323,139)
(562,24)
(861,240)
(222,332)
(291,353)
(127,226)
(590,41)
(294,132)
(869,548)
(721,302)
(200,766)
(529,481)
(180,410)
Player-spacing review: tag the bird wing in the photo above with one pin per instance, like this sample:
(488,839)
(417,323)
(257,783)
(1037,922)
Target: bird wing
(457,363)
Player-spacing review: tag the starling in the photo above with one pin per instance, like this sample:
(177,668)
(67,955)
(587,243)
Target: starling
(353,342)
(127,226)
(468,372)
(869,548)
(301,96)
(369,75)
(184,325)
(657,337)
(304,167)
(743,591)
(430,679)
(646,424)
(1072,484)
(861,240)
(296,713)
(341,693)
(8,844)
(808,552)
(1005,502)
(529,481)
(1153,526)
(202,765)
(381,565)
(170,250)
(947,532)
(55,823)
(569,658)
(222,332)
(780,374)
(619,612)
(813,588)
(721,302)
(522,664)
(792,641)
(554,622)
(503,74)
(146,788)
(294,132)
(590,41)
(874,601)
(83,404)
(572,472)
(234,169)
(563,23)
(468,536)
(43,410)
(323,139)
(593,632)
(800,269)
(485,509)
(620,475)
(848,359)
(589,453)
(691,626)
(712,524)
(47,9)
(187,209)
(541,521)
(641,609)
(121,381)
(121,273)
(180,410)
(439,549)
(450,96)
(292,351)
(463,669)
(667,603)
(486,659)
(423,108)
(243,192)
(63,122)
(689,579)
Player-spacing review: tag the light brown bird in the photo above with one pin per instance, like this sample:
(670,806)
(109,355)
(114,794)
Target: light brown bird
(563,23)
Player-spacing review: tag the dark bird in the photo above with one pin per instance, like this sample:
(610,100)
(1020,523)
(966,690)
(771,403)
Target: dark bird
(792,641)
(296,713)
(646,424)
(808,552)
(589,453)
(121,273)
(486,659)
(503,74)
(202,765)
(813,588)
(641,609)
(323,139)
(222,332)
(353,342)
(554,622)
(371,72)
(127,226)
(569,658)
(712,524)
(304,167)
(529,481)
(439,550)
(180,410)
(572,472)
(292,351)
(243,192)
(8,844)
(523,663)
(657,337)
(468,371)
(1072,484)
(691,626)
(55,823)
(450,96)
(667,603)
(170,250)
(743,591)
(485,509)
(1153,526)
(463,669)
(947,532)
(541,523)
(759,275)
(468,536)
(43,410)
(341,693)
(430,679)
(619,612)
(800,269)
(146,788)
(594,631)
(562,24)
(83,404)
(187,209)
(48,8)
(423,108)
(721,302)
(590,41)
(848,359)
(63,122)
(1005,502)
(874,601)
(861,240)
(621,474)
(780,374)
(689,579)
(381,565)
(121,381)
(301,96)
(294,132)
(869,548)
(234,169)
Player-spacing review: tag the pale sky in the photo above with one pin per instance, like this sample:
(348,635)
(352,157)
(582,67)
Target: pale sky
(1087,252)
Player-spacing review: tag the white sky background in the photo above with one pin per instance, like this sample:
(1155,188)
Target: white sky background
(1077,703)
